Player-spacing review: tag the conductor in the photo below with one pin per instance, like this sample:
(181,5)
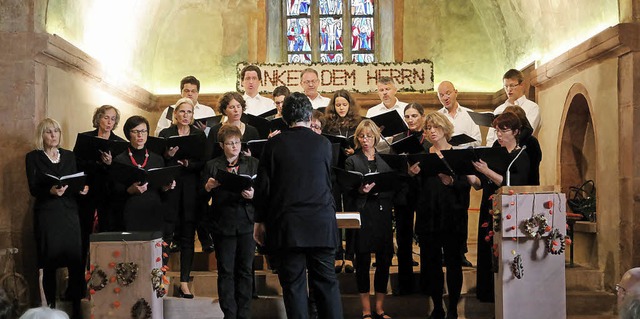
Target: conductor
(295,212)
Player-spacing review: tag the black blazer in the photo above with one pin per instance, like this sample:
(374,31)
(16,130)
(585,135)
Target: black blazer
(293,191)
(232,213)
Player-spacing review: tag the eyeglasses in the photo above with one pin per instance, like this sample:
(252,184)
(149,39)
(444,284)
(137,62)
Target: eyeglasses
(620,289)
(501,131)
(315,127)
(139,132)
(512,86)
(365,136)
(232,143)
(309,82)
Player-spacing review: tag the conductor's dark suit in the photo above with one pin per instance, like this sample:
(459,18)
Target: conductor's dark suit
(294,201)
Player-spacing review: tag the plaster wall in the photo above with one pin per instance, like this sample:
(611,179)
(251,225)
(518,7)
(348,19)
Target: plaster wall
(601,82)
(72,99)
(472,43)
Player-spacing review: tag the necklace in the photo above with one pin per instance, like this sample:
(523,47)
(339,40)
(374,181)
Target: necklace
(56,156)
(133,160)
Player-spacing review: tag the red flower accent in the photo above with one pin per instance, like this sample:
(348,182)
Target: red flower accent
(512,203)
(513,238)
(508,216)
(547,229)
(92,291)
(491,233)
(495,246)
(158,244)
(487,238)
(548,204)
(496,253)
(87,277)
(165,255)
(568,241)
(165,280)
(511,192)
(116,304)
(116,253)
(112,279)
(112,265)
(164,243)
(92,268)
(116,290)
(485,225)
(158,259)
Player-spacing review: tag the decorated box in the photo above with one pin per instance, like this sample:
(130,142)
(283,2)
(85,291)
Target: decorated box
(126,277)
(529,243)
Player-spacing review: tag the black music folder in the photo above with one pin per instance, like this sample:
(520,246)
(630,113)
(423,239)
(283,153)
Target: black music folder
(278,124)
(208,121)
(349,180)
(390,123)
(260,123)
(322,109)
(461,139)
(482,119)
(169,115)
(460,161)
(408,145)
(268,113)
(255,146)
(234,182)
(75,182)
(156,177)
(191,146)
(89,147)
(344,141)
(430,163)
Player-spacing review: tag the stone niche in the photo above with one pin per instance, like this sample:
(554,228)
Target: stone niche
(578,153)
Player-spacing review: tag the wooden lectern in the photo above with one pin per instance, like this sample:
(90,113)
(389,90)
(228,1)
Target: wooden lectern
(525,219)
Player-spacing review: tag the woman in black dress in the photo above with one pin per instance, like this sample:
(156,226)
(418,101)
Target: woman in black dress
(183,201)
(56,224)
(232,225)
(98,200)
(231,105)
(375,235)
(139,205)
(342,116)
(508,127)
(440,221)
(405,203)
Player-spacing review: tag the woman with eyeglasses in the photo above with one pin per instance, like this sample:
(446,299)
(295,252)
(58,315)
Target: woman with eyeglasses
(233,219)
(55,221)
(375,234)
(508,128)
(342,116)
(182,201)
(140,206)
(440,221)
(232,106)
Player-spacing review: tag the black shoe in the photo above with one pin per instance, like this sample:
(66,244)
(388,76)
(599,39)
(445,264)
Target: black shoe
(208,248)
(174,248)
(181,294)
(338,265)
(348,267)
(414,263)
(466,262)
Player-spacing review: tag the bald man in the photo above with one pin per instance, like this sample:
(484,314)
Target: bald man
(457,114)
(628,291)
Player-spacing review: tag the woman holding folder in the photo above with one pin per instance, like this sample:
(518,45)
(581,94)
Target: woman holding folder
(56,224)
(440,220)
(375,235)
(342,116)
(98,200)
(184,206)
(139,203)
(232,212)
(231,105)
(508,128)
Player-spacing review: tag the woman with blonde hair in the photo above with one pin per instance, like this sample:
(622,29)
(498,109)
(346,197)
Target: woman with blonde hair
(375,235)
(56,224)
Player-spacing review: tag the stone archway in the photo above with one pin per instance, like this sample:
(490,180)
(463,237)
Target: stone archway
(577,160)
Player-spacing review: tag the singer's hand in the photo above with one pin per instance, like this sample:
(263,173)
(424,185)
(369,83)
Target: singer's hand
(481,166)
(414,169)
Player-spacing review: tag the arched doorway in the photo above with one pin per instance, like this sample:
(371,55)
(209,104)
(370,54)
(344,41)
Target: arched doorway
(577,161)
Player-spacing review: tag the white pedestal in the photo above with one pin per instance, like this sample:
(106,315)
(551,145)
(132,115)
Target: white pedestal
(109,249)
(540,293)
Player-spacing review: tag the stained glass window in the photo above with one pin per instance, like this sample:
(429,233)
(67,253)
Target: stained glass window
(329,24)
(362,31)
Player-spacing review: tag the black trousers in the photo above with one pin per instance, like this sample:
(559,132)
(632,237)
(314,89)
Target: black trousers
(404,238)
(323,283)
(235,277)
(431,248)
(381,276)
(76,285)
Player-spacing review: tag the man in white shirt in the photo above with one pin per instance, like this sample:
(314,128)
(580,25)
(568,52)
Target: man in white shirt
(514,88)
(251,77)
(462,124)
(189,87)
(457,114)
(387,93)
(310,82)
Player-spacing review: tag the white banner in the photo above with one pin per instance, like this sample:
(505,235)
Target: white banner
(408,76)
